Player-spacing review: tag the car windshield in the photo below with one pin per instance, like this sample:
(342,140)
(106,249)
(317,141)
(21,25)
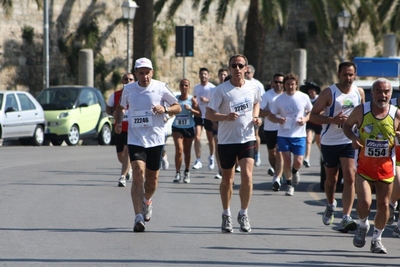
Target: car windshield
(58,98)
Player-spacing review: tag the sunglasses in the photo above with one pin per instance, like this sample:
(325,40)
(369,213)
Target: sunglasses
(278,82)
(234,66)
(128,79)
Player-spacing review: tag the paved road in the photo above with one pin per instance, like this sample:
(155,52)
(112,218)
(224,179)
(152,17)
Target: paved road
(62,206)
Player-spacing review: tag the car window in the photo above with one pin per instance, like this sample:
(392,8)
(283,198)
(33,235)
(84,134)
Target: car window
(26,103)
(88,97)
(1,100)
(11,102)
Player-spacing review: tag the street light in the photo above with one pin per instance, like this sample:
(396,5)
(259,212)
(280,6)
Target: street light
(128,12)
(343,20)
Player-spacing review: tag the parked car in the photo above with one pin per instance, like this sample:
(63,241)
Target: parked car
(21,117)
(74,113)
(368,97)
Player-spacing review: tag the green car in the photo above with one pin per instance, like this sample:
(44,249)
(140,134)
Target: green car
(73,113)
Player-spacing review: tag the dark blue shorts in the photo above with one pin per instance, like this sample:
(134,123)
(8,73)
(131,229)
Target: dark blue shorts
(332,154)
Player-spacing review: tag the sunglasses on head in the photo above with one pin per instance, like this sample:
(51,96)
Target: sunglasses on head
(234,66)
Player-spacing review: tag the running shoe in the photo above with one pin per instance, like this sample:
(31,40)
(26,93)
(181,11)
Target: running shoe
(122,181)
(276,184)
(129,174)
(139,224)
(244,222)
(147,210)
(396,232)
(211,163)
(186,177)
(359,237)
(226,226)
(218,176)
(347,224)
(165,163)
(296,179)
(237,169)
(289,190)
(392,217)
(197,165)
(257,159)
(377,246)
(271,171)
(306,163)
(177,178)
(329,214)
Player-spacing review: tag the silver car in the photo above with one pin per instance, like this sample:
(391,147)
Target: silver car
(21,117)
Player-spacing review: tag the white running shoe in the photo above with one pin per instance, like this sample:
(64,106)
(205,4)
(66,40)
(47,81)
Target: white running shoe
(129,174)
(165,163)
(211,163)
(122,181)
(238,170)
(186,177)
(197,165)
(218,176)
(257,159)
(177,178)
(289,190)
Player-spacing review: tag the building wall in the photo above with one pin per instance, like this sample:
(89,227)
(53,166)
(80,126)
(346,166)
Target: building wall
(21,63)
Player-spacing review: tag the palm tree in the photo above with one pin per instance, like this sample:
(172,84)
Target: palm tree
(143,30)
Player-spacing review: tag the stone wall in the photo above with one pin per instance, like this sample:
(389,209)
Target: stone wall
(21,63)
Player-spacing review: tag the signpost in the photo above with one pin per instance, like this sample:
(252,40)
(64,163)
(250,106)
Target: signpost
(184,43)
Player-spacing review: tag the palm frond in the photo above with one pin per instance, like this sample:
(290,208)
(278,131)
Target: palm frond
(173,8)
(7,5)
(222,9)
(158,6)
(205,9)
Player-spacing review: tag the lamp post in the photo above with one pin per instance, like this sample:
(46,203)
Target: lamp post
(128,12)
(343,19)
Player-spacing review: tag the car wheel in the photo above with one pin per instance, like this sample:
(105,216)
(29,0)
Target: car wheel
(73,136)
(105,135)
(56,142)
(38,136)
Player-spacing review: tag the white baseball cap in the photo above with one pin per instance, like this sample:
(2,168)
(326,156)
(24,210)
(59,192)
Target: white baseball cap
(143,63)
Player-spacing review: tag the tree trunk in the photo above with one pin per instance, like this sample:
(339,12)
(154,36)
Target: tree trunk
(143,30)
(254,39)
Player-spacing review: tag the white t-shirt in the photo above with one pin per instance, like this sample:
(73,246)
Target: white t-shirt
(259,85)
(206,91)
(226,99)
(292,107)
(332,134)
(146,129)
(267,101)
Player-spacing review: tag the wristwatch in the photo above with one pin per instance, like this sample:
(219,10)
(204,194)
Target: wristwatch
(166,109)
